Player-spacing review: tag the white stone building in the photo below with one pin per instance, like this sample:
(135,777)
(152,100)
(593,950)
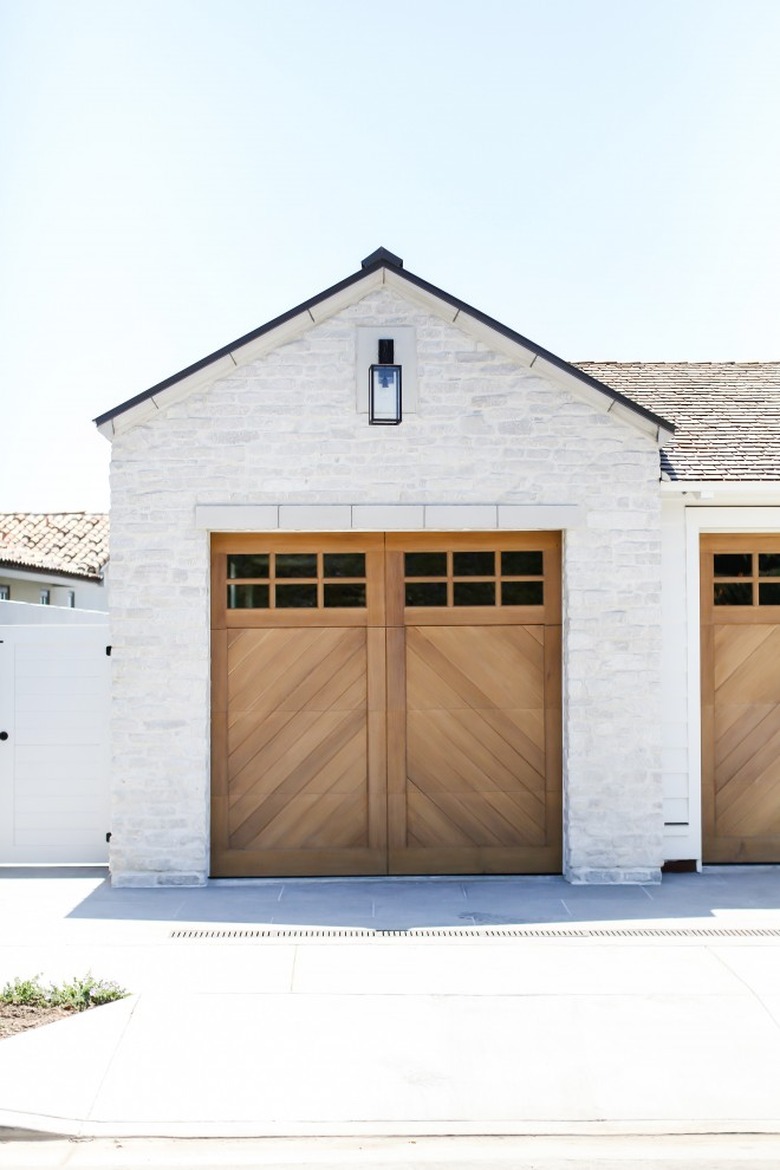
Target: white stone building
(466,642)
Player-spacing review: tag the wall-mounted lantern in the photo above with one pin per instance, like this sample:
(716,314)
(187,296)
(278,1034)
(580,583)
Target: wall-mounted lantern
(384,387)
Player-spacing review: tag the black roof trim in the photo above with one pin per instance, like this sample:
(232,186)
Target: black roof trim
(539,350)
(382,258)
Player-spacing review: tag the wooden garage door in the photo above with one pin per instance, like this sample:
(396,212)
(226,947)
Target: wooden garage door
(740,608)
(386,704)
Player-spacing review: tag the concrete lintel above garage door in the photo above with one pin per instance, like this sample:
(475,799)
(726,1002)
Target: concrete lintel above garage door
(388,517)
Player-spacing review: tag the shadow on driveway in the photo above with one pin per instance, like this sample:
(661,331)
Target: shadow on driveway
(716,896)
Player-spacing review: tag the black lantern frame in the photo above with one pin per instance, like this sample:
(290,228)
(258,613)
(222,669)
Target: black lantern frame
(384,395)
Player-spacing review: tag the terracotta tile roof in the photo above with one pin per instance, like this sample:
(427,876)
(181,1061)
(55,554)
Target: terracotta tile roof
(75,543)
(727,414)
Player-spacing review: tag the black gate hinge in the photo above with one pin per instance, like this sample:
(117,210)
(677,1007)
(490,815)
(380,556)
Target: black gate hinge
(108,651)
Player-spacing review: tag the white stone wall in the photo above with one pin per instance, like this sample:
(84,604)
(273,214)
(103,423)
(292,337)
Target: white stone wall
(285,429)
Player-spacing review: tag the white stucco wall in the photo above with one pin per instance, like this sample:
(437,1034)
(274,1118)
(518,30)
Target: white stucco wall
(26,585)
(286,429)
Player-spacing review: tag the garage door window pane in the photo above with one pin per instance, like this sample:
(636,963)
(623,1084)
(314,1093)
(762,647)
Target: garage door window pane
(425,564)
(296,596)
(522,593)
(769,565)
(521,563)
(247,597)
(733,565)
(474,593)
(345,564)
(733,594)
(769,593)
(351,596)
(247,565)
(473,564)
(426,593)
(296,564)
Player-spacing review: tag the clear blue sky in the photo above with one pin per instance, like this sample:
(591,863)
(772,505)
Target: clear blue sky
(602,175)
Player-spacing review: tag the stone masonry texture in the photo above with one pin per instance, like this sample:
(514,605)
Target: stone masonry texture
(284,429)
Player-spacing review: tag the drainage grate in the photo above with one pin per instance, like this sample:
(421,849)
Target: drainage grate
(457,932)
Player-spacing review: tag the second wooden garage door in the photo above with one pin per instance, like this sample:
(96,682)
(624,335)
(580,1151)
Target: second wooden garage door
(386,704)
(740,608)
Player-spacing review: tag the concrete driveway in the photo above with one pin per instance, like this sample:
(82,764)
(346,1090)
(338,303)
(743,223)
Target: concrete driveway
(513,1006)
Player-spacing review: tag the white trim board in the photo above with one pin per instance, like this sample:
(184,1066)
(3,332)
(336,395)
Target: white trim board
(388,517)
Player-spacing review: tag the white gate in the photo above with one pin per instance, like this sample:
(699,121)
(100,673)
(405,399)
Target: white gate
(54,750)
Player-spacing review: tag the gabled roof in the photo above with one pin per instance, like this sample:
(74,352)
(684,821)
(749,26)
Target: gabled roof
(74,544)
(727,414)
(383,267)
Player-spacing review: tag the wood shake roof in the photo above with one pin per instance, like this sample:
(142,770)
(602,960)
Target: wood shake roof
(73,543)
(727,414)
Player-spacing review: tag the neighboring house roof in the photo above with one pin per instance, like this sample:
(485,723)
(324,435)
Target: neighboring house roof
(383,267)
(74,544)
(727,414)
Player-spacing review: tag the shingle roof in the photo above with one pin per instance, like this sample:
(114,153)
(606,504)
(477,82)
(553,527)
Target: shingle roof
(75,543)
(727,414)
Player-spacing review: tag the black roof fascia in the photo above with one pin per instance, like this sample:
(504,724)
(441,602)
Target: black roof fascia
(382,261)
(226,349)
(539,350)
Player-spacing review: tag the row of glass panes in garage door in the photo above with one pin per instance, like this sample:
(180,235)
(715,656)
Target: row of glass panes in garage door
(338,580)
(738,578)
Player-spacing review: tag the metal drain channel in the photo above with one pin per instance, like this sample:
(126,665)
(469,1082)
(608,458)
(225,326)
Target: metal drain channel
(457,932)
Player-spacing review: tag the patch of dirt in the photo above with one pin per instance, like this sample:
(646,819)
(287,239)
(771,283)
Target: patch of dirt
(16,1018)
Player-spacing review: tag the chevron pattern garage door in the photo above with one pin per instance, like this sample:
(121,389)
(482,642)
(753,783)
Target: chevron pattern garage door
(386,704)
(741,698)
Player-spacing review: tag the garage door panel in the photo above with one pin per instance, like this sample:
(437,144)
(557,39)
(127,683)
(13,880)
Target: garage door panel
(754,813)
(307,756)
(754,737)
(294,669)
(732,646)
(469,817)
(752,675)
(736,721)
(463,746)
(474,667)
(313,820)
(740,701)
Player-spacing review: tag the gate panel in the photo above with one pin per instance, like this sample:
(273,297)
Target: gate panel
(54,763)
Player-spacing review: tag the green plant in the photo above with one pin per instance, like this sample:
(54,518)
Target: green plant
(25,993)
(76,995)
(85,992)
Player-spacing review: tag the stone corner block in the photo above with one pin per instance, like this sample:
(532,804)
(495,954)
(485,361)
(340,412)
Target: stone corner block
(236,517)
(315,517)
(151,879)
(388,517)
(454,517)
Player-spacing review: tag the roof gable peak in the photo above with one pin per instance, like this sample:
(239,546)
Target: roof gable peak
(382,256)
(383,268)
